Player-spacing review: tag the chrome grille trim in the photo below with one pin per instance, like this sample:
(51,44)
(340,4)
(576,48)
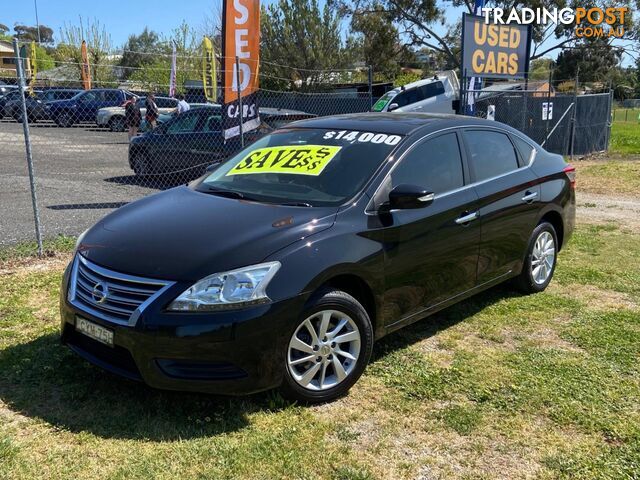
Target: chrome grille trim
(128,297)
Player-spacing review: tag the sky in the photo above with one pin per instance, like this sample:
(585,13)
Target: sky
(125,17)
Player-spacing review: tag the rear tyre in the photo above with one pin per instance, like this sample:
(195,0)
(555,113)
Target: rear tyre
(141,164)
(328,348)
(540,262)
(116,124)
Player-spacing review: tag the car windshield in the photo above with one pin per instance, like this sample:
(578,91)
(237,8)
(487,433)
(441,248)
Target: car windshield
(306,167)
(382,101)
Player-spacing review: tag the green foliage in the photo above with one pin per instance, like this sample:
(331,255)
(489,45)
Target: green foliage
(140,51)
(26,33)
(406,77)
(44,61)
(304,37)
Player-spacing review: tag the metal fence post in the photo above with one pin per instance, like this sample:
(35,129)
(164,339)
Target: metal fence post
(574,116)
(370,86)
(609,118)
(239,99)
(27,143)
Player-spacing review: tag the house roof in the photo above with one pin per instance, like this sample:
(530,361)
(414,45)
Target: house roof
(5,47)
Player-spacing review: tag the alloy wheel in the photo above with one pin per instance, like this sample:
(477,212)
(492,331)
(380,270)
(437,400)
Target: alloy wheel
(324,350)
(543,257)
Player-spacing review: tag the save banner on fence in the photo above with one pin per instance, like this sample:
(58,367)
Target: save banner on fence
(241,40)
(497,51)
(209,77)
(86,71)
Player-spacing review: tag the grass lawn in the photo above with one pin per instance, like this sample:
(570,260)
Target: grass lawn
(625,138)
(501,385)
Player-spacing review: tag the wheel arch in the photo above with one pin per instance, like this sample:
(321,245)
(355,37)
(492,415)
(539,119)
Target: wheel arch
(555,218)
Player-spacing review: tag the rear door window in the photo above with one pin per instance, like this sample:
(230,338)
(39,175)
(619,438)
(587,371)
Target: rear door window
(431,90)
(525,149)
(435,164)
(183,124)
(491,152)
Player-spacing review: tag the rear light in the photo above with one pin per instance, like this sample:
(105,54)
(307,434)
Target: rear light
(570,170)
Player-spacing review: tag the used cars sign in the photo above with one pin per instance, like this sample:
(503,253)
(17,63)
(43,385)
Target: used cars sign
(497,51)
(241,50)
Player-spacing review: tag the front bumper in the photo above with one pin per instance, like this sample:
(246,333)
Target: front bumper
(229,352)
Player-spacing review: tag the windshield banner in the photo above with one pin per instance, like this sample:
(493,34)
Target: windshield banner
(293,159)
(241,41)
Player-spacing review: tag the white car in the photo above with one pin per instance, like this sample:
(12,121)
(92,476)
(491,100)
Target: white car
(438,94)
(113,117)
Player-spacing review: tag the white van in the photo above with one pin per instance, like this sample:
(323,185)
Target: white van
(438,94)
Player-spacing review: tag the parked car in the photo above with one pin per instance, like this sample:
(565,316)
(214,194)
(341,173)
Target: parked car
(193,140)
(438,94)
(6,98)
(113,117)
(36,103)
(283,265)
(85,105)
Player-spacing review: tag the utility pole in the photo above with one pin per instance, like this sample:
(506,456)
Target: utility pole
(35,2)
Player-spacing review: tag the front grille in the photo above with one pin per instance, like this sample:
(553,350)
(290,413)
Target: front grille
(112,296)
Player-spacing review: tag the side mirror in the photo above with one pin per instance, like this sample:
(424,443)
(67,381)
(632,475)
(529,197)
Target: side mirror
(393,107)
(406,196)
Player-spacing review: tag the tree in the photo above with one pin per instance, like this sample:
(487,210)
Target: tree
(25,33)
(299,43)
(98,47)
(593,60)
(417,20)
(140,50)
(539,69)
(378,42)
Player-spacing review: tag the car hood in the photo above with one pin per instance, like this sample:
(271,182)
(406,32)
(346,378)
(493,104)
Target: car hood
(185,235)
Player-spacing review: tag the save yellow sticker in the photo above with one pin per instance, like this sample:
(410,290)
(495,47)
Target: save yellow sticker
(292,159)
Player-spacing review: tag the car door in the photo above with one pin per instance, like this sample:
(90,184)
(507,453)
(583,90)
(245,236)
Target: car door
(435,99)
(89,104)
(431,253)
(509,196)
(207,144)
(173,143)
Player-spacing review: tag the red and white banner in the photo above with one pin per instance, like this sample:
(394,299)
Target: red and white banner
(172,77)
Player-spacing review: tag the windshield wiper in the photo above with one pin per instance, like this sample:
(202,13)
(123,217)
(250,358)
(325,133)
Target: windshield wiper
(296,204)
(226,193)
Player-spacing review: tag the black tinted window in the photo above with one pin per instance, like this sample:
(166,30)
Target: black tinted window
(407,97)
(524,148)
(110,96)
(435,164)
(166,103)
(431,90)
(492,153)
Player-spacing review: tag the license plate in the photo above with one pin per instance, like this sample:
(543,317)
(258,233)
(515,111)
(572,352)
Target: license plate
(95,331)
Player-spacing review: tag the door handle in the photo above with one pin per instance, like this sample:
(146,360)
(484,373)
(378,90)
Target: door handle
(467,218)
(529,196)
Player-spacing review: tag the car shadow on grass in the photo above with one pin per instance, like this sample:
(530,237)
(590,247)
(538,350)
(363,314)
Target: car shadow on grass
(43,379)
(428,327)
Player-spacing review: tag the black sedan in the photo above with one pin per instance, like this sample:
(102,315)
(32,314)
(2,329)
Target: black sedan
(37,102)
(282,266)
(193,141)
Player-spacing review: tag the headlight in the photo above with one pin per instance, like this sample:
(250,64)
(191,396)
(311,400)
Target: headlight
(233,289)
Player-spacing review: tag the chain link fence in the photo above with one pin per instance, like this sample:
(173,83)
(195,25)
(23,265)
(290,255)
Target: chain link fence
(565,123)
(92,151)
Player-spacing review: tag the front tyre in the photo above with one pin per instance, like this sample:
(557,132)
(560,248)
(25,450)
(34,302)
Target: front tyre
(540,262)
(328,349)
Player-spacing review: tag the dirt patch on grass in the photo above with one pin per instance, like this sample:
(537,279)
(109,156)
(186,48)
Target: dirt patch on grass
(601,209)
(27,265)
(595,297)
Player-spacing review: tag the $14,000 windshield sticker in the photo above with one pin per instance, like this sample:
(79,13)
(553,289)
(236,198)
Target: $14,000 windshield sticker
(292,159)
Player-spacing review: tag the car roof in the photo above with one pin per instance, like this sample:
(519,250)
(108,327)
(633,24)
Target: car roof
(399,123)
